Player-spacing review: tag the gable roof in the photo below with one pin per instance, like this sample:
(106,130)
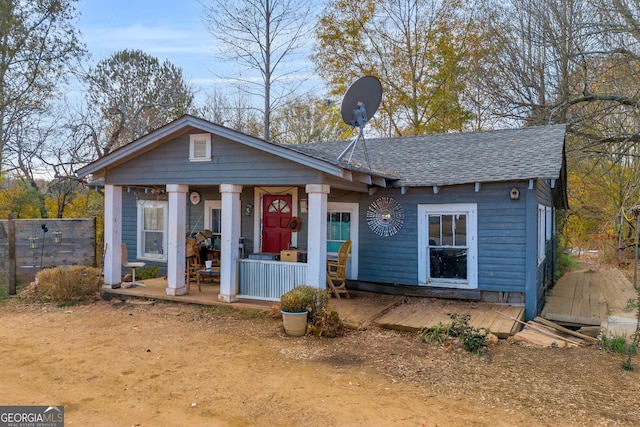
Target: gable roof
(428,160)
(189,123)
(458,158)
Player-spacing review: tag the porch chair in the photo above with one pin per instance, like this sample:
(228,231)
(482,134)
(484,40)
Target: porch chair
(132,265)
(193,263)
(337,271)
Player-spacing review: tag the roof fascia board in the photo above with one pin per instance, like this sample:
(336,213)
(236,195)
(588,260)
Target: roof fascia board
(173,127)
(125,151)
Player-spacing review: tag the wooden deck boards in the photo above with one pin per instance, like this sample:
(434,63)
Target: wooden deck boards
(416,315)
(588,298)
(390,311)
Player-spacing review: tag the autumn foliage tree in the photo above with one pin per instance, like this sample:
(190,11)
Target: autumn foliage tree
(420,50)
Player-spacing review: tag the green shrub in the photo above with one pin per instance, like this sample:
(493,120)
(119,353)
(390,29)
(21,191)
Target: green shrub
(617,345)
(147,272)
(565,263)
(472,339)
(315,302)
(305,298)
(435,334)
(68,284)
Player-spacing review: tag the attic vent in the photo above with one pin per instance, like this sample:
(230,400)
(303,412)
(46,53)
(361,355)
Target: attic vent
(200,147)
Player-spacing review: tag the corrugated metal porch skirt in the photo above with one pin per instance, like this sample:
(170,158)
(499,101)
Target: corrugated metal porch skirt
(268,280)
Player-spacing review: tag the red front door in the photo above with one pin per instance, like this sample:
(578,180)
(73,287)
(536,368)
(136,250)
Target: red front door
(276,213)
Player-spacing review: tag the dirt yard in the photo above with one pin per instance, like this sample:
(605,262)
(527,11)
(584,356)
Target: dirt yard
(177,365)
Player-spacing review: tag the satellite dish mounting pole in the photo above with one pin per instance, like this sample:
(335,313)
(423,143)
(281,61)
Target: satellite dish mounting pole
(366,92)
(359,119)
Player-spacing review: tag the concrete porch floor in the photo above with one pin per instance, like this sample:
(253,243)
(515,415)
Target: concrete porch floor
(362,310)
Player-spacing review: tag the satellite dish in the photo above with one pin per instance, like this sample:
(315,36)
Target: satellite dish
(365,94)
(359,105)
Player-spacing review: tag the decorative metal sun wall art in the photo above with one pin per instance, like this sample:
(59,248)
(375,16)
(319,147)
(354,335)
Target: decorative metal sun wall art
(385,216)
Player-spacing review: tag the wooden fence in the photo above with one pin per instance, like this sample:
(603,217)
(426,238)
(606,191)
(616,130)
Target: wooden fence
(29,245)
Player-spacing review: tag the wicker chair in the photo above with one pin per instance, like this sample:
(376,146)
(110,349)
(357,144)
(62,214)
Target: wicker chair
(337,271)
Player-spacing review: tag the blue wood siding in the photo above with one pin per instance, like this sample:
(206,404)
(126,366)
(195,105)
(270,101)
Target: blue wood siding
(130,228)
(501,236)
(231,163)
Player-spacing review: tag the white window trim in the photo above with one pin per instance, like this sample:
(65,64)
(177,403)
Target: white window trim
(541,233)
(193,138)
(353,209)
(208,206)
(469,209)
(257,212)
(549,222)
(140,224)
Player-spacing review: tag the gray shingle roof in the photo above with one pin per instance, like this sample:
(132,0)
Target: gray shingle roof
(457,158)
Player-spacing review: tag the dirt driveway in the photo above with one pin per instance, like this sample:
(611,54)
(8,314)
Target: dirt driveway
(178,365)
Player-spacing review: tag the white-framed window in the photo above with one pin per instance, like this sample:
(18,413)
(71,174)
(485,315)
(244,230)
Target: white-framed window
(213,220)
(541,233)
(200,147)
(152,229)
(448,245)
(342,224)
(545,230)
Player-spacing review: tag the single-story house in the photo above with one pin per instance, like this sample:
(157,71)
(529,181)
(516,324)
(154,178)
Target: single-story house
(458,215)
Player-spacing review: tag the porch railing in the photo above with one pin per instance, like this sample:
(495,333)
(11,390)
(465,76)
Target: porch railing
(268,280)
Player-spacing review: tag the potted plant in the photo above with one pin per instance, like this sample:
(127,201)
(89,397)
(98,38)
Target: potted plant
(295,305)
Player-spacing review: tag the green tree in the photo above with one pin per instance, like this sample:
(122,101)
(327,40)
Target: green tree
(38,44)
(20,198)
(420,50)
(129,94)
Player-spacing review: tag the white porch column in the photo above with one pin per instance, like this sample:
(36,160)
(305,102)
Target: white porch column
(230,240)
(317,237)
(176,261)
(112,235)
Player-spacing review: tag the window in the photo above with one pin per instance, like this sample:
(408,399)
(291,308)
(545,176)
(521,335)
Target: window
(338,229)
(216,226)
(448,245)
(200,147)
(545,230)
(152,230)
(342,224)
(541,233)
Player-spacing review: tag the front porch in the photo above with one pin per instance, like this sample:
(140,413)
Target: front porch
(156,289)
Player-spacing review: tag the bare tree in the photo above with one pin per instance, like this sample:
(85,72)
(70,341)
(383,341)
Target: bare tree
(37,46)
(233,111)
(308,119)
(263,37)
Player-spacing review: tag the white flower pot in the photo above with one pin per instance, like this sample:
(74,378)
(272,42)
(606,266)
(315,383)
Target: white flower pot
(295,324)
